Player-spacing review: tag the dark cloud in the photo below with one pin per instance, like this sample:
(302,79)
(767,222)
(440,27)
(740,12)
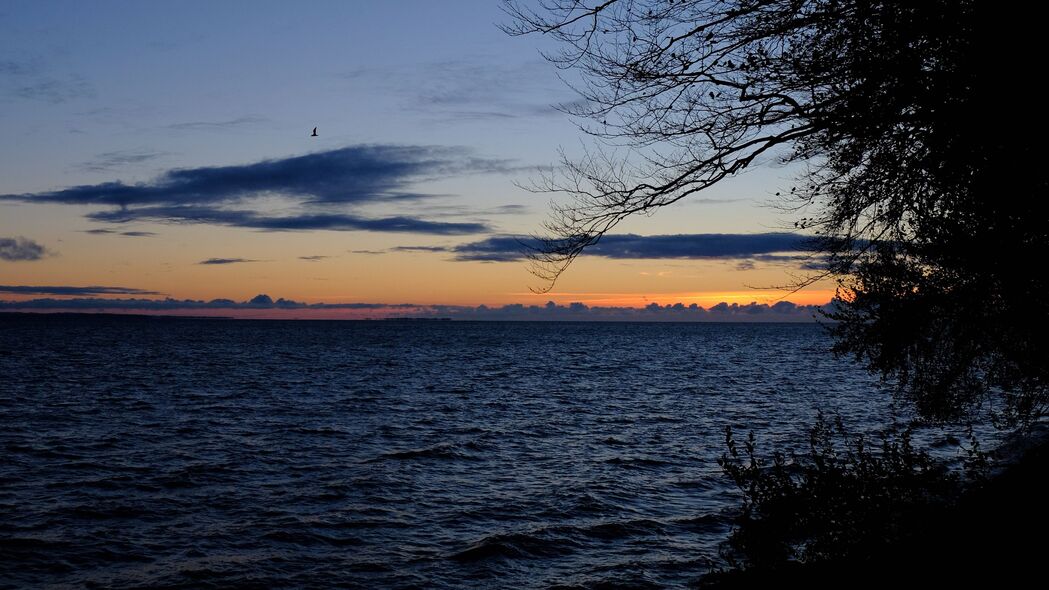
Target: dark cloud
(66,290)
(107,161)
(20,249)
(783,311)
(304,222)
(133,234)
(811,261)
(630,246)
(314,258)
(218,125)
(354,175)
(226,261)
(496,249)
(369,252)
(419,249)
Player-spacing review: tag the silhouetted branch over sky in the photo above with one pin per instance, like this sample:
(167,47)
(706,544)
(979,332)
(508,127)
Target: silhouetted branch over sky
(917,205)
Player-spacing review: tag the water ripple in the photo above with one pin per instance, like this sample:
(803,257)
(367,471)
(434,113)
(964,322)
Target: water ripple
(187,453)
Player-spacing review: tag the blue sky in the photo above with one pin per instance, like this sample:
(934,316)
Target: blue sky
(187,83)
(118,117)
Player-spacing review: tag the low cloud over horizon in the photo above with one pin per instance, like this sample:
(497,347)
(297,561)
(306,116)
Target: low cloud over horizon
(782,311)
(314,183)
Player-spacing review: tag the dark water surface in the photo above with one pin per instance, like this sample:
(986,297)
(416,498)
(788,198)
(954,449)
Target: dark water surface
(196,453)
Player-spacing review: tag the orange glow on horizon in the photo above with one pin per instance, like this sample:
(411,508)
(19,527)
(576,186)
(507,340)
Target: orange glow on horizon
(703,299)
(595,299)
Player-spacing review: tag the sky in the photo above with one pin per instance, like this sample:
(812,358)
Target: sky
(157,158)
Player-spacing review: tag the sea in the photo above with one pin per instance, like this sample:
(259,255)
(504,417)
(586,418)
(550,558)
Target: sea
(204,453)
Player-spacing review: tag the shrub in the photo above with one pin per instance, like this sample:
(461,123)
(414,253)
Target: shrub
(843,497)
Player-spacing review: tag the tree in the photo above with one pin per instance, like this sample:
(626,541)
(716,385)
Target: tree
(918,205)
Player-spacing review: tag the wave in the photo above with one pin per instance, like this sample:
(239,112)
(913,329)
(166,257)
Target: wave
(306,538)
(516,546)
(636,461)
(446,451)
(556,540)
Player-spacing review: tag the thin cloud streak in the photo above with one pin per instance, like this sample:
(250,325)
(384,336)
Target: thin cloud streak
(132,234)
(469,90)
(55,91)
(68,290)
(419,249)
(245,121)
(214,261)
(109,161)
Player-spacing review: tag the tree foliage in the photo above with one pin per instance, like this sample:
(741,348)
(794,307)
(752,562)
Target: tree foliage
(918,205)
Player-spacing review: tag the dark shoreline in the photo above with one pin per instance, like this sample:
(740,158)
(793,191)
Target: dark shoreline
(994,535)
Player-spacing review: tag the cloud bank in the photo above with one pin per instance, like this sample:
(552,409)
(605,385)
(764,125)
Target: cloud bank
(632,246)
(20,249)
(776,247)
(265,306)
(313,183)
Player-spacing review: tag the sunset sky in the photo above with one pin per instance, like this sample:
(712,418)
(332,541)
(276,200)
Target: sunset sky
(163,151)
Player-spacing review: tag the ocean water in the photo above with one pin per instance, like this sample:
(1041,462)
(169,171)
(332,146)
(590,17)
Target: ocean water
(208,453)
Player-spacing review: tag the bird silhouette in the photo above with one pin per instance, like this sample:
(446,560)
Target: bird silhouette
(314,132)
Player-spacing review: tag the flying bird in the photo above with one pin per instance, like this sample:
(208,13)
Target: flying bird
(314,132)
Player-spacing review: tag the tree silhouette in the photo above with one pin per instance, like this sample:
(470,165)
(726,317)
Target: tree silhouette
(918,205)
